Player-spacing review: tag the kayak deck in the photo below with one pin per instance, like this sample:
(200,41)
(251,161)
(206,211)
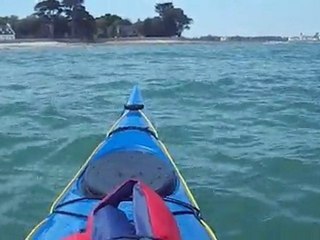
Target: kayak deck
(130,150)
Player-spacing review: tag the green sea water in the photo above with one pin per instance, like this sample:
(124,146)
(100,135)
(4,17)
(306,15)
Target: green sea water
(241,120)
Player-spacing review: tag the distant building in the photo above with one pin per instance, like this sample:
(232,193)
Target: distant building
(223,39)
(295,38)
(7,33)
(303,37)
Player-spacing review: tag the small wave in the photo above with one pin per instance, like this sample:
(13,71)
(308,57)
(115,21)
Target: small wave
(275,43)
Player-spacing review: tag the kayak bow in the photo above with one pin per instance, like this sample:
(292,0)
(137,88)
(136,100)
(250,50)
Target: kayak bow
(131,150)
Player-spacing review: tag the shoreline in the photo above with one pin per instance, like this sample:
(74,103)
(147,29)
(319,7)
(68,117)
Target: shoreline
(105,41)
(69,42)
(139,40)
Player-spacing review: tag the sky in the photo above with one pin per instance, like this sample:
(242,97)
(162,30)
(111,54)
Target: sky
(215,17)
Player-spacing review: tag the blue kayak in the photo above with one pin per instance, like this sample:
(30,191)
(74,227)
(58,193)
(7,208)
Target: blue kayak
(131,150)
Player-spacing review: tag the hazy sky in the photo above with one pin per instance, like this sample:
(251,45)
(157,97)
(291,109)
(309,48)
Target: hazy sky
(216,17)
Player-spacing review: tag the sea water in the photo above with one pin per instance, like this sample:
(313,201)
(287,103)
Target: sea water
(242,121)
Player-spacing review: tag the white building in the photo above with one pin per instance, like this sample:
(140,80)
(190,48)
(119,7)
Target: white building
(7,33)
(223,39)
(303,37)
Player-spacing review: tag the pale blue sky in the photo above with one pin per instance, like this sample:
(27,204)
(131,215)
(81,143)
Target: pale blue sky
(216,17)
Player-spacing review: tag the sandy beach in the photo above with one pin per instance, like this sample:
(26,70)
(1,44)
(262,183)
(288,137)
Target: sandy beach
(36,44)
(65,42)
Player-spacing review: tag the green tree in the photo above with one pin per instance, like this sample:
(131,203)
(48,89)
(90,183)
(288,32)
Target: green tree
(124,22)
(71,9)
(139,26)
(84,23)
(11,20)
(180,21)
(48,11)
(106,25)
(26,27)
(29,27)
(174,19)
(110,19)
(62,28)
(109,25)
(152,27)
(163,8)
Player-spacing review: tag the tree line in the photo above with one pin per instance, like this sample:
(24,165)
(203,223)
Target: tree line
(70,19)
